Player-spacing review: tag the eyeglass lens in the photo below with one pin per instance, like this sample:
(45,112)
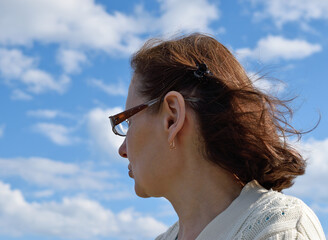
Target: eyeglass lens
(122,128)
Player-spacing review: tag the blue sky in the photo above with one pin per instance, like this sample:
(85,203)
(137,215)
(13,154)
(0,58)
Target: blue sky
(64,68)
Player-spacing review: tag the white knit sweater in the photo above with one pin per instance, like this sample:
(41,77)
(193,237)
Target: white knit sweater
(260,214)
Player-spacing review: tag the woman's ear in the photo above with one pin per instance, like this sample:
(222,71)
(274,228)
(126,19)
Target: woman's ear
(174,112)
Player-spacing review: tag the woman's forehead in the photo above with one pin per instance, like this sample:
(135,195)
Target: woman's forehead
(133,98)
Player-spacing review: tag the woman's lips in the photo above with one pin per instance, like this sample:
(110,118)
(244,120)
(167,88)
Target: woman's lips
(130,171)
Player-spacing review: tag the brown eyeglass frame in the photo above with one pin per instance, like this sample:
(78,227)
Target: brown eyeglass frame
(123,116)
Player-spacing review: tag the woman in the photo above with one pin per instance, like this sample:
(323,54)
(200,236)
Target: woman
(199,134)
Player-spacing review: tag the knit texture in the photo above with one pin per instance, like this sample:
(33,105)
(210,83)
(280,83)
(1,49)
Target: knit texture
(260,214)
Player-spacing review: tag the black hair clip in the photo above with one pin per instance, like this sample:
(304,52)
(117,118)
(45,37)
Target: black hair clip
(201,70)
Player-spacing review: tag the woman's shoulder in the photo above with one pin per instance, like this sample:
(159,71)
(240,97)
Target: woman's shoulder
(170,234)
(276,213)
(260,214)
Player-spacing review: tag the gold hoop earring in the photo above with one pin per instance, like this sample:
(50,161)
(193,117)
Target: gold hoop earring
(172,145)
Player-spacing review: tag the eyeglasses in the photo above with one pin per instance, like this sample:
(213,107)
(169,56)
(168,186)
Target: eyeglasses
(120,122)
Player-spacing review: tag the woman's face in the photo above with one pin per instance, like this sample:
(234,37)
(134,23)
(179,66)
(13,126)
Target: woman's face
(147,149)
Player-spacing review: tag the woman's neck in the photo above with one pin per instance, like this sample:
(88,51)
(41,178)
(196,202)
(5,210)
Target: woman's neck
(202,192)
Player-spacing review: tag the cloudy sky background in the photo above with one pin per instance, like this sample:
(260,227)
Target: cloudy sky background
(64,68)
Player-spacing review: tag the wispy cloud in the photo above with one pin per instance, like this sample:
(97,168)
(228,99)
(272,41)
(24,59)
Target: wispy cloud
(48,114)
(39,81)
(60,22)
(71,60)
(73,218)
(44,194)
(57,133)
(17,68)
(266,85)
(18,94)
(118,89)
(272,48)
(92,27)
(102,137)
(299,11)
(197,15)
(13,63)
(55,175)
(313,184)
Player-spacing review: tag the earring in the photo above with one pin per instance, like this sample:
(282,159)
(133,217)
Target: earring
(172,145)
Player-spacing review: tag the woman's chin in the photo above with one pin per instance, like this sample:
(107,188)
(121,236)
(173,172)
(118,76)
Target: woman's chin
(140,191)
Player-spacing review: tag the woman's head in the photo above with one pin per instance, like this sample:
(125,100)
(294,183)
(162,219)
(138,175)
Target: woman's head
(153,164)
(240,128)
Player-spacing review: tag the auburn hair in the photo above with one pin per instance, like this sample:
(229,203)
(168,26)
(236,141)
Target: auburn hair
(243,129)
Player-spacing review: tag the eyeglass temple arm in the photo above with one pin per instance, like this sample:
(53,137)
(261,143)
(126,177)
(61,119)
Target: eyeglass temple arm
(118,118)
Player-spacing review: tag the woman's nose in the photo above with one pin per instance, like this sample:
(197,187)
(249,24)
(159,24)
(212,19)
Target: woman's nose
(122,150)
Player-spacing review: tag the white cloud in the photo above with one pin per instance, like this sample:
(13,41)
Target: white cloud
(20,95)
(138,225)
(78,23)
(52,174)
(39,81)
(48,114)
(313,185)
(277,47)
(118,89)
(101,133)
(86,24)
(71,60)
(282,11)
(45,113)
(13,63)
(265,84)
(118,195)
(2,130)
(187,15)
(73,218)
(44,193)
(15,66)
(57,133)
